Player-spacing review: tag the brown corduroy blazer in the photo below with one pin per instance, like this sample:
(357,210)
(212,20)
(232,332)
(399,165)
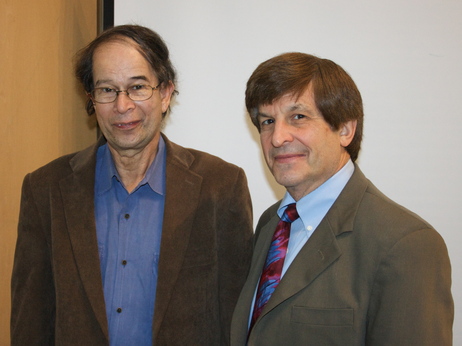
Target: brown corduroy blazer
(372,273)
(57,293)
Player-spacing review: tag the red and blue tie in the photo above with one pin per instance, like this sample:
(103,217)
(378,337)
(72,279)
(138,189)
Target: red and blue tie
(271,274)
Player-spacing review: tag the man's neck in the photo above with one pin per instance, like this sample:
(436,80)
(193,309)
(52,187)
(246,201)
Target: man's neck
(132,165)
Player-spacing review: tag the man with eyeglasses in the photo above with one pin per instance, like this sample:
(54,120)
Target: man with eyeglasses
(135,240)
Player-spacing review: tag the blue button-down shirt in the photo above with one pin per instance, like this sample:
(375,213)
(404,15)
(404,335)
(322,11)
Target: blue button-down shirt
(129,228)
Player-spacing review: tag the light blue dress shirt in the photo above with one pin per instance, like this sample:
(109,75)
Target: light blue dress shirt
(312,208)
(129,229)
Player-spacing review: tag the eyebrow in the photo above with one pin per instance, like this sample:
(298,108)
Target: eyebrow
(290,109)
(134,78)
(299,107)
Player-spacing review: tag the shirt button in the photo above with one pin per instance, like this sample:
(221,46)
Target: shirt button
(119,310)
(124,262)
(127,216)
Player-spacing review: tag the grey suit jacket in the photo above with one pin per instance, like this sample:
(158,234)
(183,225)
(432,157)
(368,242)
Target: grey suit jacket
(57,293)
(372,273)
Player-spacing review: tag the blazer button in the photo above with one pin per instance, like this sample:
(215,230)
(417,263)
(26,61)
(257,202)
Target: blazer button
(119,310)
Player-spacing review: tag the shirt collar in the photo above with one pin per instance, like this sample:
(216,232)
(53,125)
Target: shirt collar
(155,175)
(313,207)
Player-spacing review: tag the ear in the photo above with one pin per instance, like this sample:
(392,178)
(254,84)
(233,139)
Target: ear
(91,99)
(347,132)
(166,92)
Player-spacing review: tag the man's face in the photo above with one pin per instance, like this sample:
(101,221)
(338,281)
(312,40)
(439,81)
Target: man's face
(129,126)
(301,149)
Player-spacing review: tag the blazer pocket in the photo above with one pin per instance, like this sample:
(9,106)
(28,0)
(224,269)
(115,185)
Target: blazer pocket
(322,317)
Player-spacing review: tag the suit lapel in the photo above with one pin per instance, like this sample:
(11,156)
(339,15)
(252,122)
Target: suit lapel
(317,254)
(78,201)
(182,197)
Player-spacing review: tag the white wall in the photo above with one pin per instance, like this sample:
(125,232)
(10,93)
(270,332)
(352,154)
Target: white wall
(405,56)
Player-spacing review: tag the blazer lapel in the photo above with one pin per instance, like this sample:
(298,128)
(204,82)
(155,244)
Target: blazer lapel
(182,196)
(319,253)
(78,201)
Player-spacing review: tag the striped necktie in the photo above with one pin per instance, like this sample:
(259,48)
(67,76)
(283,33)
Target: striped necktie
(271,274)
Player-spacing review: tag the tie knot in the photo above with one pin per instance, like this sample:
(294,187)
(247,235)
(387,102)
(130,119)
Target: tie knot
(290,214)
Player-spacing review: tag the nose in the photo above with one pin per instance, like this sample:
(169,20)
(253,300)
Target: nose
(123,103)
(282,134)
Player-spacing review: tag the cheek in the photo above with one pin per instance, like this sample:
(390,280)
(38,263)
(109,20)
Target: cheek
(265,145)
(104,124)
(99,119)
(102,112)
(265,138)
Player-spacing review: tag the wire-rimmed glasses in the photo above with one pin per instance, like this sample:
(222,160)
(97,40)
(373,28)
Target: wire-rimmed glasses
(138,92)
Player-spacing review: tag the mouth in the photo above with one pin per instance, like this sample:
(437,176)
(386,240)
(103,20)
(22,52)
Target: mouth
(128,125)
(287,158)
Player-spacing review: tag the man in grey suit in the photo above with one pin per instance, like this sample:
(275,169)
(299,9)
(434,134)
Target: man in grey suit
(346,265)
(134,240)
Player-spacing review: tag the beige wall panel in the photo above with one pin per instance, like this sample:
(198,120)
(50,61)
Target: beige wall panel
(42,105)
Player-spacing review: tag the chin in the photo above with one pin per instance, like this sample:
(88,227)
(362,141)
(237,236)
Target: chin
(286,181)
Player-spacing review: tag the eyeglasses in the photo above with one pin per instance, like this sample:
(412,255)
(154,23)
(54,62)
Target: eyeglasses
(139,92)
